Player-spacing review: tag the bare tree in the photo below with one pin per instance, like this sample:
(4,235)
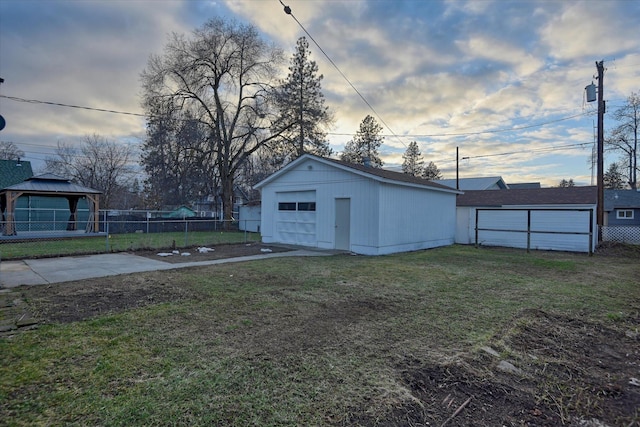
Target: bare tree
(624,137)
(10,151)
(223,77)
(176,160)
(97,163)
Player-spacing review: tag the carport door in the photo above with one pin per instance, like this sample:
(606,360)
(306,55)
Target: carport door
(343,224)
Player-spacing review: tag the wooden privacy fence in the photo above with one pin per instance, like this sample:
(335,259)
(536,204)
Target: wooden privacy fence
(536,228)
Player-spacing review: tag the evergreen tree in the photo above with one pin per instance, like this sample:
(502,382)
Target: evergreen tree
(302,115)
(413,163)
(365,144)
(431,172)
(613,177)
(564,183)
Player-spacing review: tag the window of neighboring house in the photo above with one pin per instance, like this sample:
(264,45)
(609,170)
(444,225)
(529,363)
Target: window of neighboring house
(287,206)
(624,214)
(307,206)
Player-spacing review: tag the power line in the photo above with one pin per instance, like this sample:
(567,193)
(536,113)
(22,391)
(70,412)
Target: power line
(288,11)
(81,107)
(513,129)
(538,150)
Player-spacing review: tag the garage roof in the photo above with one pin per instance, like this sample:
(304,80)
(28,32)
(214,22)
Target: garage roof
(374,173)
(530,196)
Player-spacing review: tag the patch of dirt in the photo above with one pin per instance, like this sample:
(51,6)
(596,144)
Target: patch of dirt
(616,249)
(565,372)
(219,252)
(70,302)
(544,369)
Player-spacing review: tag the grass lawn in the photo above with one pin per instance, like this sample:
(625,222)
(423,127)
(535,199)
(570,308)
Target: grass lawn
(340,340)
(120,243)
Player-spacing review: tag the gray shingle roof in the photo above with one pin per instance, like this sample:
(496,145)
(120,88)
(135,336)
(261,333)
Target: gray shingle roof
(621,199)
(530,196)
(481,183)
(391,175)
(374,173)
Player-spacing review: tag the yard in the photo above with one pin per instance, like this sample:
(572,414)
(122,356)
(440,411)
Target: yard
(453,336)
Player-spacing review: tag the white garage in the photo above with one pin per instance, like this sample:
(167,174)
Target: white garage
(329,204)
(540,218)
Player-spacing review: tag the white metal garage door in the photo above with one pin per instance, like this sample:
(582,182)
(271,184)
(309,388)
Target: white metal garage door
(545,229)
(296,218)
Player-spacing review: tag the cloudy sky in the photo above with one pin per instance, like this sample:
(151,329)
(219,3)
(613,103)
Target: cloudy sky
(502,80)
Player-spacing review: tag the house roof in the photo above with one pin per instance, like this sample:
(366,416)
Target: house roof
(14,172)
(523,185)
(50,183)
(620,199)
(482,183)
(378,174)
(530,196)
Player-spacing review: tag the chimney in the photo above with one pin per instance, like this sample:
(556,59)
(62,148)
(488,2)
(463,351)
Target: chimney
(366,161)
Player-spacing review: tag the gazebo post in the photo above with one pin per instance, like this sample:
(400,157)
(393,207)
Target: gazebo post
(10,224)
(93,223)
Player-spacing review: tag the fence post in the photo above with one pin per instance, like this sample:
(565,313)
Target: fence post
(106,230)
(528,230)
(186,232)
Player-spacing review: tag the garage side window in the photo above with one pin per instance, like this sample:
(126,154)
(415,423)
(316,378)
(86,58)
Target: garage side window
(624,214)
(307,206)
(287,206)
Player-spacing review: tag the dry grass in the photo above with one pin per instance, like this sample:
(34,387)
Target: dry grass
(343,340)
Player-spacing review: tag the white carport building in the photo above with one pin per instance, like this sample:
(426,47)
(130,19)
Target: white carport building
(330,204)
(540,218)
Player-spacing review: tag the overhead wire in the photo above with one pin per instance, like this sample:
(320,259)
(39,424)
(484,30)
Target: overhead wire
(288,11)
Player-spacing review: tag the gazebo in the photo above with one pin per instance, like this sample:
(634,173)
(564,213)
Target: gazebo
(53,186)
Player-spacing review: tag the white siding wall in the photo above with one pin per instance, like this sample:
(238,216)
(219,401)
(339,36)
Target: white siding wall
(328,183)
(385,218)
(414,218)
(553,220)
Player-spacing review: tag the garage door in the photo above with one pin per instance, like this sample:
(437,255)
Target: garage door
(296,218)
(545,229)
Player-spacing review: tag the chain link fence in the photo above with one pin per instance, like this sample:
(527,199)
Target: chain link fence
(621,234)
(53,232)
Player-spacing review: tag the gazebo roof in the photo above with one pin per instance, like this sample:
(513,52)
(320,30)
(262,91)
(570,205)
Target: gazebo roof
(49,183)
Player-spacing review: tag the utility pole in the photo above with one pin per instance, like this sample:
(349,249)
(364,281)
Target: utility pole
(600,182)
(3,123)
(457,170)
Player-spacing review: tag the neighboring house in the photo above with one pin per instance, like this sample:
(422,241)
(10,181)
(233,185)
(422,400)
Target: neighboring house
(13,172)
(181,212)
(485,183)
(543,218)
(622,207)
(211,206)
(523,185)
(622,216)
(330,204)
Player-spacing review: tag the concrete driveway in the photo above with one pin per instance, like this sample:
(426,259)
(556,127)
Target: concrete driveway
(66,269)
